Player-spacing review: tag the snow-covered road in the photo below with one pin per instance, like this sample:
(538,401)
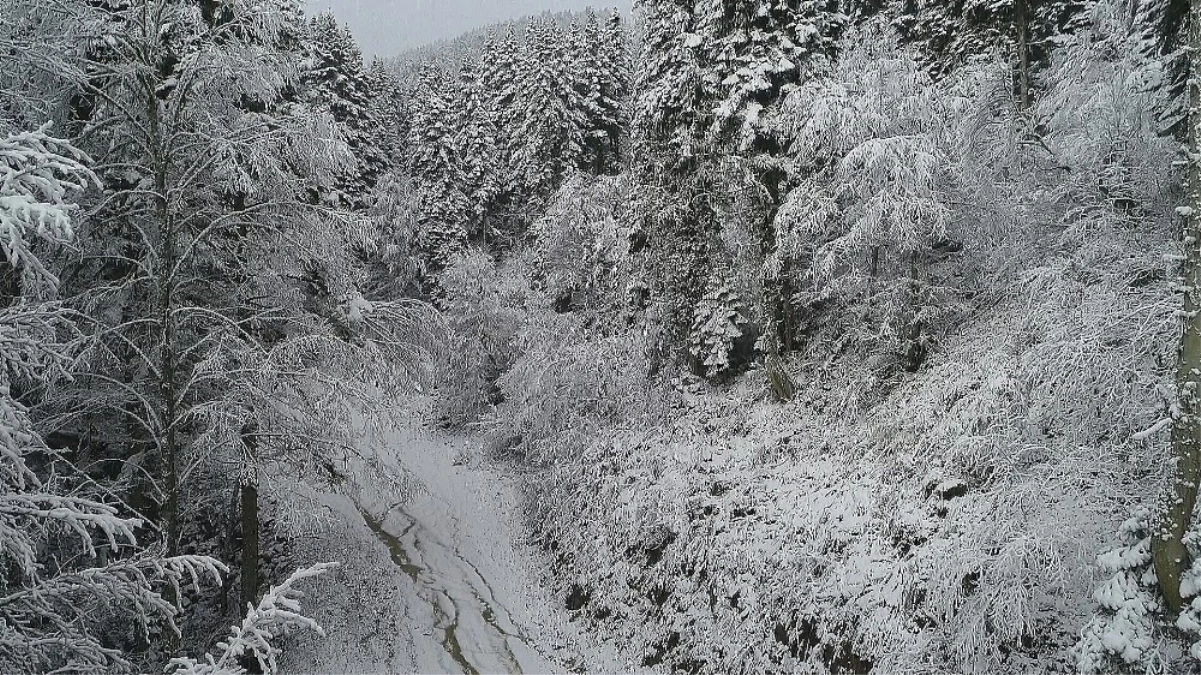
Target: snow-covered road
(435,577)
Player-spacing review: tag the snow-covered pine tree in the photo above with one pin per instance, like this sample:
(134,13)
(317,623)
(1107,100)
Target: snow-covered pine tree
(499,67)
(500,71)
(386,108)
(716,326)
(710,70)
(584,73)
(672,161)
(600,80)
(1169,545)
(336,79)
(229,332)
(948,34)
(615,89)
(437,168)
(755,50)
(756,54)
(475,144)
(669,81)
(1161,25)
(550,125)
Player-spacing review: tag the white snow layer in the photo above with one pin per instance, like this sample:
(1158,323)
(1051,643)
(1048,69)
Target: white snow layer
(436,576)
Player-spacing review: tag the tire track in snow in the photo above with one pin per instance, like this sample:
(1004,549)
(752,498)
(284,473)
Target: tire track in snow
(457,591)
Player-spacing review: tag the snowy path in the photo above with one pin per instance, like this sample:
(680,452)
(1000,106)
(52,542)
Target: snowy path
(435,578)
(437,537)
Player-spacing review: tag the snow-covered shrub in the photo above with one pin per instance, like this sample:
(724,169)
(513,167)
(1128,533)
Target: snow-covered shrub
(582,245)
(1127,631)
(279,612)
(568,384)
(928,536)
(1119,185)
(872,147)
(1124,632)
(550,370)
(1060,380)
(716,326)
(486,304)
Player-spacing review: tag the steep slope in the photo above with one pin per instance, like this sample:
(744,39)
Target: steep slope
(942,521)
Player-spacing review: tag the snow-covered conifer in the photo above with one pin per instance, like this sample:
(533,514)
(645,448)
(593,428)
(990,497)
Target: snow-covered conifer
(500,71)
(386,111)
(228,326)
(335,78)
(72,560)
(438,168)
(549,140)
(949,34)
(475,142)
(599,78)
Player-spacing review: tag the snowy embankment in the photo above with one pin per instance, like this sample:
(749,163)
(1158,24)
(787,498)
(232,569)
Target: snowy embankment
(939,522)
(436,574)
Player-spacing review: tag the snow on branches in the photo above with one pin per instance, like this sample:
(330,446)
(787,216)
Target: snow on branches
(37,174)
(279,612)
(53,523)
(1124,628)
(716,326)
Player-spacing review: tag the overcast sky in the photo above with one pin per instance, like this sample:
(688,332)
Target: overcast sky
(388,27)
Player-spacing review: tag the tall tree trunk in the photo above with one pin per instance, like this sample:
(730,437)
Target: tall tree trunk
(787,320)
(167,384)
(249,491)
(228,548)
(777,296)
(1171,557)
(250,519)
(778,380)
(250,542)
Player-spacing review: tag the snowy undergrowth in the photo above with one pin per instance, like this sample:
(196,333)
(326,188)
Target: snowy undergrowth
(946,521)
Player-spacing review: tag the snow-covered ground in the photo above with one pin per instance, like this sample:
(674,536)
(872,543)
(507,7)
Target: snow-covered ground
(437,576)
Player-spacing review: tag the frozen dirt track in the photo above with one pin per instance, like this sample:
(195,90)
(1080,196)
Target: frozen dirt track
(435,544)
(435,577)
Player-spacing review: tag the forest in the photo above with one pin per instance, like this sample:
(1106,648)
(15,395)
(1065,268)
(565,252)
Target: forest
(726,337)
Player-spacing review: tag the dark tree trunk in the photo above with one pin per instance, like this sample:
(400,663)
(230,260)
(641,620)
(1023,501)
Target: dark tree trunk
(250,544)
(250,519)
(1170,555)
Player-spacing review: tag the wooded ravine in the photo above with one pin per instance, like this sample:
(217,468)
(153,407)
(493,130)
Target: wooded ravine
(726,337)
